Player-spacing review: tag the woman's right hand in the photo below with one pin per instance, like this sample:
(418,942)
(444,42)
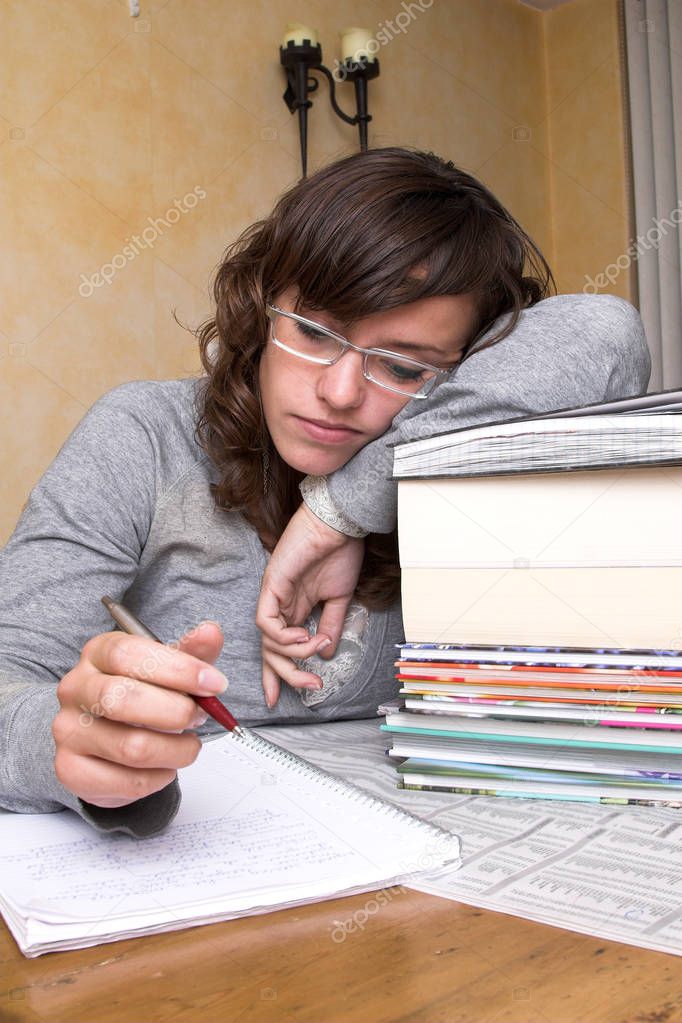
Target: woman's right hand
(120,731)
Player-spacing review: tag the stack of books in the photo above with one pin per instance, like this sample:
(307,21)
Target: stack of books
(542,601)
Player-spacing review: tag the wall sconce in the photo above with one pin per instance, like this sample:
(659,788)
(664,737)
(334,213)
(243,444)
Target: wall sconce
(300,54)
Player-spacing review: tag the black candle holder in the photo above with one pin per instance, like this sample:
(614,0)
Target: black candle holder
(299,60)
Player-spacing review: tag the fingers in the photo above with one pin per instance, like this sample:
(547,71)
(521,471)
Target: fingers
(113,653)
(293,675)
(332,620)
(278,664)
(109,785)
(298,650)
(276,668)
(204,641)
(271,686)
(127,745)
(124,699)
(271,621)
(111,764)
(106,784)
(122,729)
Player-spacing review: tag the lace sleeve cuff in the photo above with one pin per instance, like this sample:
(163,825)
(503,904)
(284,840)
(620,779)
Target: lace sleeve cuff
(315,493)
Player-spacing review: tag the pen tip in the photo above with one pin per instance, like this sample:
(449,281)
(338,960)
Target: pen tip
(107,601)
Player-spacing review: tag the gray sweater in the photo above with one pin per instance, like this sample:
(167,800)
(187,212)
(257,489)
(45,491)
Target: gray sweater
(125,509)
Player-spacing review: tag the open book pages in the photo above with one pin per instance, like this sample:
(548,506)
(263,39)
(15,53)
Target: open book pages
(259,829)
(645,430)
(545,445)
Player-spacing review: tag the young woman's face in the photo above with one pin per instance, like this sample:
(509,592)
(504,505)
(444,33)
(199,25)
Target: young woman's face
(295,391)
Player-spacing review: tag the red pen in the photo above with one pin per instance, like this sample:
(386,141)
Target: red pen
(211,704)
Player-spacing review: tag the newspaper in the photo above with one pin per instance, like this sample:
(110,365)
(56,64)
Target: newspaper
(607,871)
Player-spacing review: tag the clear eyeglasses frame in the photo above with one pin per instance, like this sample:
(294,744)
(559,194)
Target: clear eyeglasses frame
(344,344)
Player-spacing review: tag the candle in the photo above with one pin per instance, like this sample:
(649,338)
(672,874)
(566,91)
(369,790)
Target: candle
(296,33)
(354,44)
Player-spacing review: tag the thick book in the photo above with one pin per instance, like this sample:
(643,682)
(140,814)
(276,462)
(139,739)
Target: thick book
(580,559)
(259,829)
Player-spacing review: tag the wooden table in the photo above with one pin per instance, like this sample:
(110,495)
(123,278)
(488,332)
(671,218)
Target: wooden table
(418,959)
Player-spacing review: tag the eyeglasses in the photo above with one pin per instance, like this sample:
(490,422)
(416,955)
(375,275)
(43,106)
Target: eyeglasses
(309,340)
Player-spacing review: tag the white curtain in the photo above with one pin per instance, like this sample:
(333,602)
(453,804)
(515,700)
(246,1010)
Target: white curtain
(653,37)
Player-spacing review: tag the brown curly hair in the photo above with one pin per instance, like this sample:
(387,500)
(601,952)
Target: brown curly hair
(348,238)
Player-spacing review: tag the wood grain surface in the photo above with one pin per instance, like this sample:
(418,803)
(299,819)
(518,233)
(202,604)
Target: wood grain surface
(413,959)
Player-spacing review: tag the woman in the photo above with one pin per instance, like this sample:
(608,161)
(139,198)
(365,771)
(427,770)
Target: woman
(172,495)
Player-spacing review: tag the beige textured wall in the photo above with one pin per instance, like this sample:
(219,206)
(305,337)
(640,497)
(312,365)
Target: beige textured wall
(108,122)
(588,168)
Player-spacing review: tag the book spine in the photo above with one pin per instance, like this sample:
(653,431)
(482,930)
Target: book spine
(606,800)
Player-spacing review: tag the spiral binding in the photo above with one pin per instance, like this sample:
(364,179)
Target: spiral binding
(330,781)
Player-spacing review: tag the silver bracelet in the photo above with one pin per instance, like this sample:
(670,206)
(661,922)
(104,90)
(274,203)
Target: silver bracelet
(315,493)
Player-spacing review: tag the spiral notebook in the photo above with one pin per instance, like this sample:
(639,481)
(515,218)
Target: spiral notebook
(259,829)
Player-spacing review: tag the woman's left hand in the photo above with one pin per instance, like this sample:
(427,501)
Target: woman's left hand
(311,563)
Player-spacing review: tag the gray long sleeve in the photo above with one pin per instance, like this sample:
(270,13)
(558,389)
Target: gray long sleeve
(80,535)
(566,350)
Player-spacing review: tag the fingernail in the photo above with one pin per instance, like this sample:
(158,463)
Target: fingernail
(323,644)
(199,719)
(313,685)
(212,681)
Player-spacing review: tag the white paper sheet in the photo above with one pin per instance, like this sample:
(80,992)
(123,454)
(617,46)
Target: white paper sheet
(253,833)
